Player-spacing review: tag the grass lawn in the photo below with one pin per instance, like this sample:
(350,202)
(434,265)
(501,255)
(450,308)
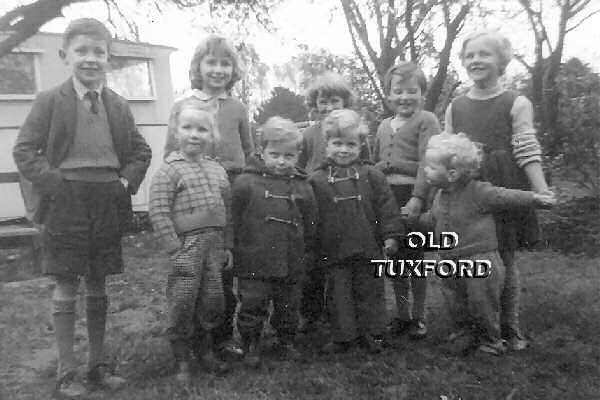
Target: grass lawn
(561,313)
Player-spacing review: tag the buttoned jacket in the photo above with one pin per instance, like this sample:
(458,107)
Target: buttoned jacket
(47,135)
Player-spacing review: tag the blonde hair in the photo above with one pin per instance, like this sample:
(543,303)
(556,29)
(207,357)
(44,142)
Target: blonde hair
(215,45)
(193,104)
(344,123)
(278,130)
(457,152)
(498,41)
(330,84)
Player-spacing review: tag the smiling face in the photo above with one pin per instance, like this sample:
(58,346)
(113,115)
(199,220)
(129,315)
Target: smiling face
(87,56)
(280,157)
(216,71)
(326,104)
(405,95)
(343,150)
(482,62)
(436,172)
(194,132)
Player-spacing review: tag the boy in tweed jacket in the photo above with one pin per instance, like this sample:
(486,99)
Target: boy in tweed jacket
(80,148)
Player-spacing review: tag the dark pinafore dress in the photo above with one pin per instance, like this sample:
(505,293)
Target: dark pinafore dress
(489,122)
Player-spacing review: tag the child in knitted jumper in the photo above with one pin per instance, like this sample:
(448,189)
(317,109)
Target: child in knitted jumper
(466,206)
(398,152)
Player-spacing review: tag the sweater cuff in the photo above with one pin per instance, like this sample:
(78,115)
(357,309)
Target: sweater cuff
(526,148)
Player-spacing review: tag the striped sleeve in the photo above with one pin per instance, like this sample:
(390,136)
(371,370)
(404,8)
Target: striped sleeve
(526,147)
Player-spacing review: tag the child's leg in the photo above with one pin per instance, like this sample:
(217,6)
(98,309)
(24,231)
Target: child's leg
(254,309)
(402,286)
(402,293)
(369,299)
(285,304)
(210,306)
(63,303)
(484,299)
(455,298)
(313,292)
(182,291)
(345,328)
(510,298)
(223,333)
(419,290)
(97,304)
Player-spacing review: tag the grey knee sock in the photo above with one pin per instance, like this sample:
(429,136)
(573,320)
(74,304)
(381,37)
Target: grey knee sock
(64,331)
(96,325)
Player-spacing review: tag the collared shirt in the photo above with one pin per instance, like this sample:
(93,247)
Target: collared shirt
(81,90)
(182,188)
(212,103)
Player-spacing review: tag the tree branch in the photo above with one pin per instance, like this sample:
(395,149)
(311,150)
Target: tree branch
(410,33)
(25,21)
(354,17)
(582,21)
(362,58)
(521,59)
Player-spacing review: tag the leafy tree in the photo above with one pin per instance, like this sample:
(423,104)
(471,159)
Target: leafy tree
(404,29)
(548,55)
(284,103)
(576,144)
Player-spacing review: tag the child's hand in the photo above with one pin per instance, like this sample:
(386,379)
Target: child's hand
(227,260)
(546,199)
(173,255)
(390,246)
(412,210)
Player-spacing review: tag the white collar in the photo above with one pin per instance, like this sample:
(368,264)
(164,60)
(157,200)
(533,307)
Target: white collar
(81,90)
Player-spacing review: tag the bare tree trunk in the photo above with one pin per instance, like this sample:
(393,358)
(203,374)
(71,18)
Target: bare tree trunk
(452,30)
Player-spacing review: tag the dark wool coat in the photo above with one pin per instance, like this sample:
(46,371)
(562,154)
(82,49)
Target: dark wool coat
(349,226)
(273,236)
(47,134)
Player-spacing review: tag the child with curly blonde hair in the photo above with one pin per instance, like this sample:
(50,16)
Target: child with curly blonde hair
(467,207)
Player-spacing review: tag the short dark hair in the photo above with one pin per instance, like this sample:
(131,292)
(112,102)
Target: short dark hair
(87,27)
(330,84)
(405,70)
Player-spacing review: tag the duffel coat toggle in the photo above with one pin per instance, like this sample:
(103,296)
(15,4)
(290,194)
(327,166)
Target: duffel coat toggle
(269,195)
(291,198)
(351,173)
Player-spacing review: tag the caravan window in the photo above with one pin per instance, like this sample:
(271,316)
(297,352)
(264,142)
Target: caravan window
(18,76)
(131,78)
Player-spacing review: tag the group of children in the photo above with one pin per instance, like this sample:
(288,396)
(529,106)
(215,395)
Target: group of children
(298,219)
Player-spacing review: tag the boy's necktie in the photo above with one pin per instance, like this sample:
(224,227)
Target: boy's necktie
(92,95)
